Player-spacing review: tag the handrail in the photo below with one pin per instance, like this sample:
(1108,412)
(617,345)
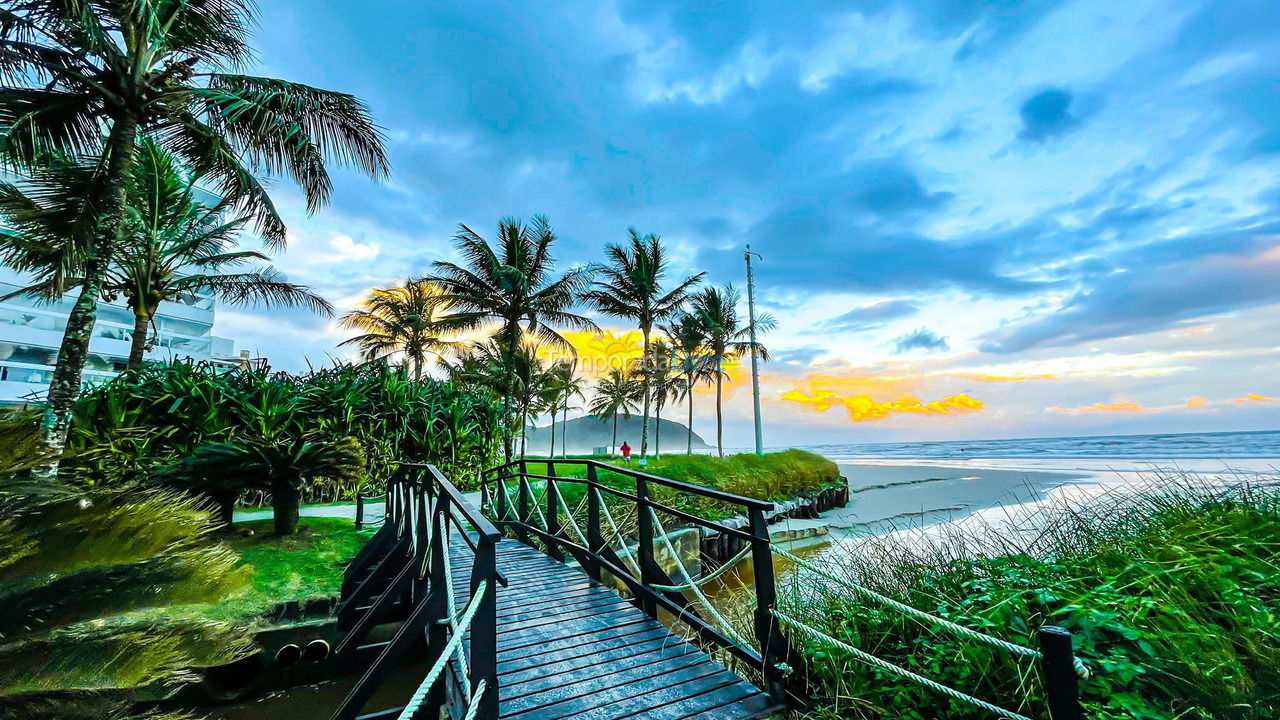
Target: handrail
(424,510)
(647,580)
(706,492)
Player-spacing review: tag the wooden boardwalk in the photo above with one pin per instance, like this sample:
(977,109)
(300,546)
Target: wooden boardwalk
(568,647)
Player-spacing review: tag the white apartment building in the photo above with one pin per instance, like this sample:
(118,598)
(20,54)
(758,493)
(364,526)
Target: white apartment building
(31,332)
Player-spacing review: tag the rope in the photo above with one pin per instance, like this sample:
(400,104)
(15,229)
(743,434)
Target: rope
(474,706)
(726,567)
(1081,669)
(711,610)
(577,529)
(448,593)
(617,534)
(901,672)
(455,641)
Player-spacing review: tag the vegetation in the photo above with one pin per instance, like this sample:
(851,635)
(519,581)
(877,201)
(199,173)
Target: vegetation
(400,320)
(171,245)
(723,338)
(79,571)
(630,286)
(319,436)
(303,567)
(1172,596)
(616,394)
(89,80)
(772,476)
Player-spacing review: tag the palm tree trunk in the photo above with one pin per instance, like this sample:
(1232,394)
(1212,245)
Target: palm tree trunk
(689,428)
(65,384)
(553,432)
(719,413)
(644,384)
(657,430)
(285,501)
(138,346)
(615,433)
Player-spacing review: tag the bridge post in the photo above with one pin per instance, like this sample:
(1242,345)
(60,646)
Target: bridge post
(595,540)
(644,547)
(553,512)
(522,529)
(773,646)
(484,628)
(422,530)
(1057,662)
(437,608)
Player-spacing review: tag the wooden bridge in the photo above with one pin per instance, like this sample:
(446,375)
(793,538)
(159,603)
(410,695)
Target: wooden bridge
(510,629)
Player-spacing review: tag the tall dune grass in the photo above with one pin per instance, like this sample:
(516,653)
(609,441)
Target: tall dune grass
(1172,592)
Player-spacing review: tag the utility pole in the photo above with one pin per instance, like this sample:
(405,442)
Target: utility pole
(755,362)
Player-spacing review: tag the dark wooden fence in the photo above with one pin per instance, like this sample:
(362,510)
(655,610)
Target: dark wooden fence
(511,499)
(401,572)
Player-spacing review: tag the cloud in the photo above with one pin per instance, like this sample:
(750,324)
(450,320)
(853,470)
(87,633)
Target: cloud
(1047,115)
(863,408)
(869,317)
(1196,402)
(920,339)
(1255,398)
(888,188)
(1119,407)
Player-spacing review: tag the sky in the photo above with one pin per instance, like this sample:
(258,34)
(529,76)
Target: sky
(975,219)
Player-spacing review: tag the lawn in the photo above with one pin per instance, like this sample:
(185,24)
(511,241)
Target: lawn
(302,567)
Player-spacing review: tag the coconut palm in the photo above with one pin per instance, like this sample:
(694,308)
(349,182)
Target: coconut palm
(616,393)
(517,377)
(401,319)
(512,283)
(563,385)
(630,286)
(725,338)
(690,361)
(87,80)
(173,246)
(665,383)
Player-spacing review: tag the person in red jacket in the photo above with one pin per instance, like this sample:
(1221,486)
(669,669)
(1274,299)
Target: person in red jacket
(626,452)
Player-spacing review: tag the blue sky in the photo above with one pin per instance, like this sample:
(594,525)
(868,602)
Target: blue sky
(1066,211)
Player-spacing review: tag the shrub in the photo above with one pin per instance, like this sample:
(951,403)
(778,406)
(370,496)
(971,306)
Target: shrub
(1173,595)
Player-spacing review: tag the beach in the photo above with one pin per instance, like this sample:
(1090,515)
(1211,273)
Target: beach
(895,493)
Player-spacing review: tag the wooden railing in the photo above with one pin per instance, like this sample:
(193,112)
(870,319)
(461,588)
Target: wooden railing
(509,497)
(402,572)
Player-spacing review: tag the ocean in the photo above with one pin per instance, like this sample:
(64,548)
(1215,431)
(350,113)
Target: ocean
(1240,445)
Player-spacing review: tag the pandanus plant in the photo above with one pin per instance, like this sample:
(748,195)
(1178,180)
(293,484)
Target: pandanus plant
(272,449)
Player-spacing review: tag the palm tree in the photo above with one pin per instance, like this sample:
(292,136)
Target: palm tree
(616,393)
(563,384)
(172,245)
(665,383)
(518,376)
(631,287)
(691,361)
(87,80)
(512,284)
(400,319)
(725,338)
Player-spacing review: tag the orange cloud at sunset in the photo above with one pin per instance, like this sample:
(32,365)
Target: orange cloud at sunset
(1255,398)
(863,408)
(977,377)
(1197,402)
(1120,407)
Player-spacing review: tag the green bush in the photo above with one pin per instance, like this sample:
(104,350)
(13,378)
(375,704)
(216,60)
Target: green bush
(1173,596)
(773,476)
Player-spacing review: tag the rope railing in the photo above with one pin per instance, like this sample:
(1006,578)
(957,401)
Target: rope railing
(711,610)
(1081,669)
(874,661)
(454,644)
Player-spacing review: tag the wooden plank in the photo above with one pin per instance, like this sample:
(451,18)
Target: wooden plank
(657,695)
(586,655)
(519,683)
(741,701)
(520,646)
(617,636)
(568,700)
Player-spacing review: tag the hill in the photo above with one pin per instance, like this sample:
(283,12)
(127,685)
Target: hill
(586,433)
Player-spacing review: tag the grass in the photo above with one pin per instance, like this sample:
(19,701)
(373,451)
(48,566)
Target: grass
(1172,593)
(302,567)
(773,476)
